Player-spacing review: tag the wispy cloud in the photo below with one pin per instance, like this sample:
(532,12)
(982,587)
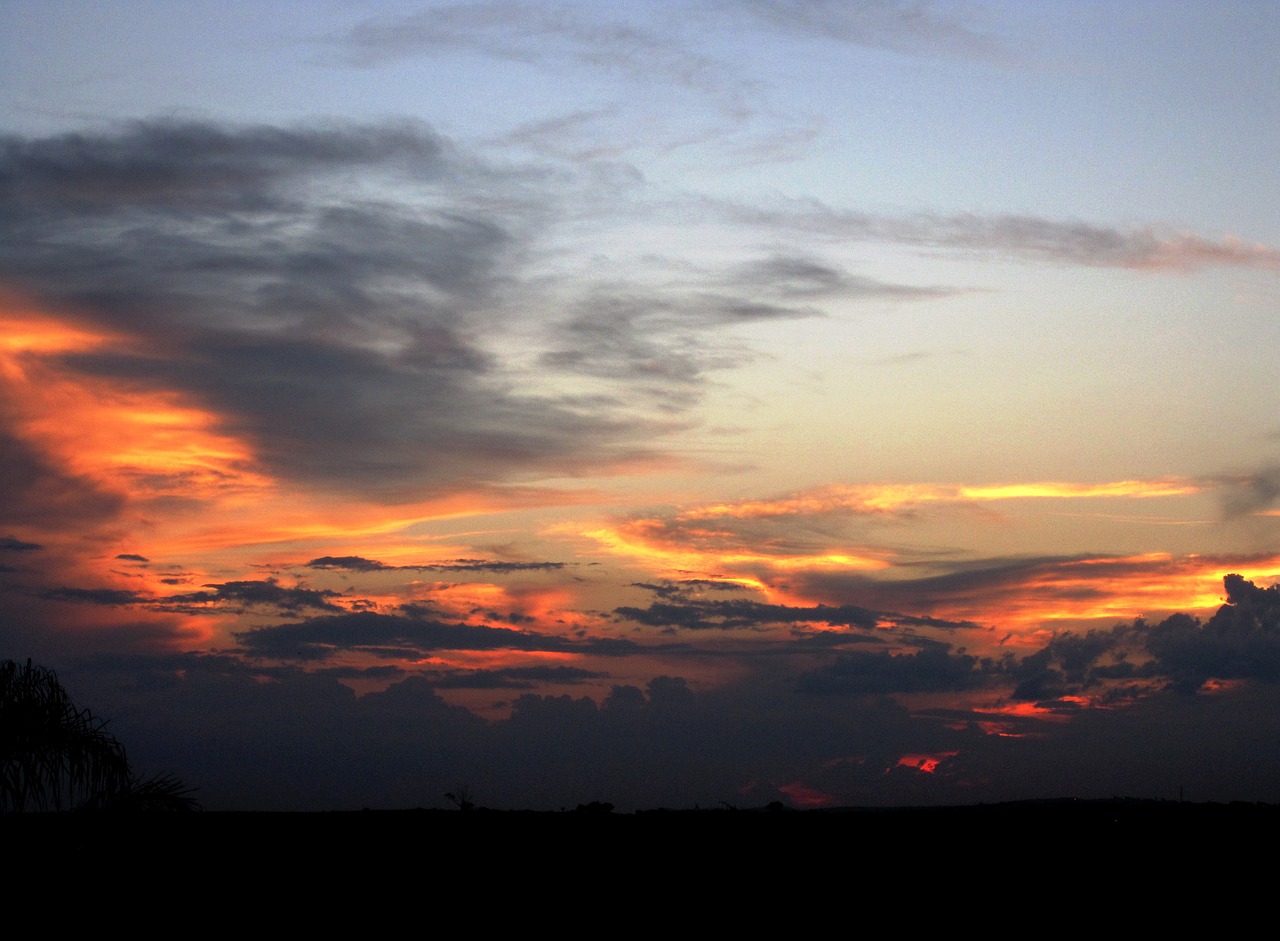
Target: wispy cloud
(905,26)
(1019,236)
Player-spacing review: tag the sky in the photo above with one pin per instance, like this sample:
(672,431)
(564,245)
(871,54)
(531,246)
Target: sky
(696,403)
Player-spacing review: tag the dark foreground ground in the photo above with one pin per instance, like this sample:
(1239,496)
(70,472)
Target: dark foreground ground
(585,845)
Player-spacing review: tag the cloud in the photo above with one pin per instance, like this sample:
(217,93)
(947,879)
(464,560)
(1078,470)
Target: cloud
(842,726)
(228,596)
(932,669)
(12,544)
(1250,493)
(113,597)
(242,594)
(549,34)
(324,291)
(358,564)
(660,341)
(1032,238)
(541,33)
(741,613)
(39,493)
(404,636)
(1027,592)
(1240,641)
(514,678)
(793,277)
(906,27)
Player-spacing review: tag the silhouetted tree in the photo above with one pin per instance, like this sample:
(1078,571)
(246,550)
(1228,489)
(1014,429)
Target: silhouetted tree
(462,799)
(55,756)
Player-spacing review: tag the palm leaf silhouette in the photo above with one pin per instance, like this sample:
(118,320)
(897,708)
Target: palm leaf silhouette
(55,756)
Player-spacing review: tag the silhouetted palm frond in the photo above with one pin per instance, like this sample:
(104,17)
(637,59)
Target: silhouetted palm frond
(163,792)
(54,756)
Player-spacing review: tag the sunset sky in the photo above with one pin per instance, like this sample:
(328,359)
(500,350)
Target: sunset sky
(841,403)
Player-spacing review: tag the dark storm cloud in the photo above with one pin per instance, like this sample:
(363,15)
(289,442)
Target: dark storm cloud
(935,668)
(228,596)
(267,593)
(132,557)
(351,563)
(694,614)
(233,729)
(231,725)
(683,590)
(112,597)
(12,544)
(324,290)
(357,564)
(1240,641)
(514,678)
(1073,663)
(397,635)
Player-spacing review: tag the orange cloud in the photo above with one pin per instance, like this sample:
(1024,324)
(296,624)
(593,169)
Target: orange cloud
(141,443)
(883,498)
(1103,588)
(1187,252)
(673,551)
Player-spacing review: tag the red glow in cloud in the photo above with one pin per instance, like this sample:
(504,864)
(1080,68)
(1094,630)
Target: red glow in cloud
(804,795)
(926,763)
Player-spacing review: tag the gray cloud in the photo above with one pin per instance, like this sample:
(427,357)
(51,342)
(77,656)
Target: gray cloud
(546,34)
(325,290)
(357,564)
(1240,641)
(904,26)
(935,668)
(1250,493)
(1030,237)
(241,594)
(797,277)
(514,678)
(12,544)
(39,492)
(112,597)
(230,725)
(402,636)
(986,583)
(693,614)
(228,596)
